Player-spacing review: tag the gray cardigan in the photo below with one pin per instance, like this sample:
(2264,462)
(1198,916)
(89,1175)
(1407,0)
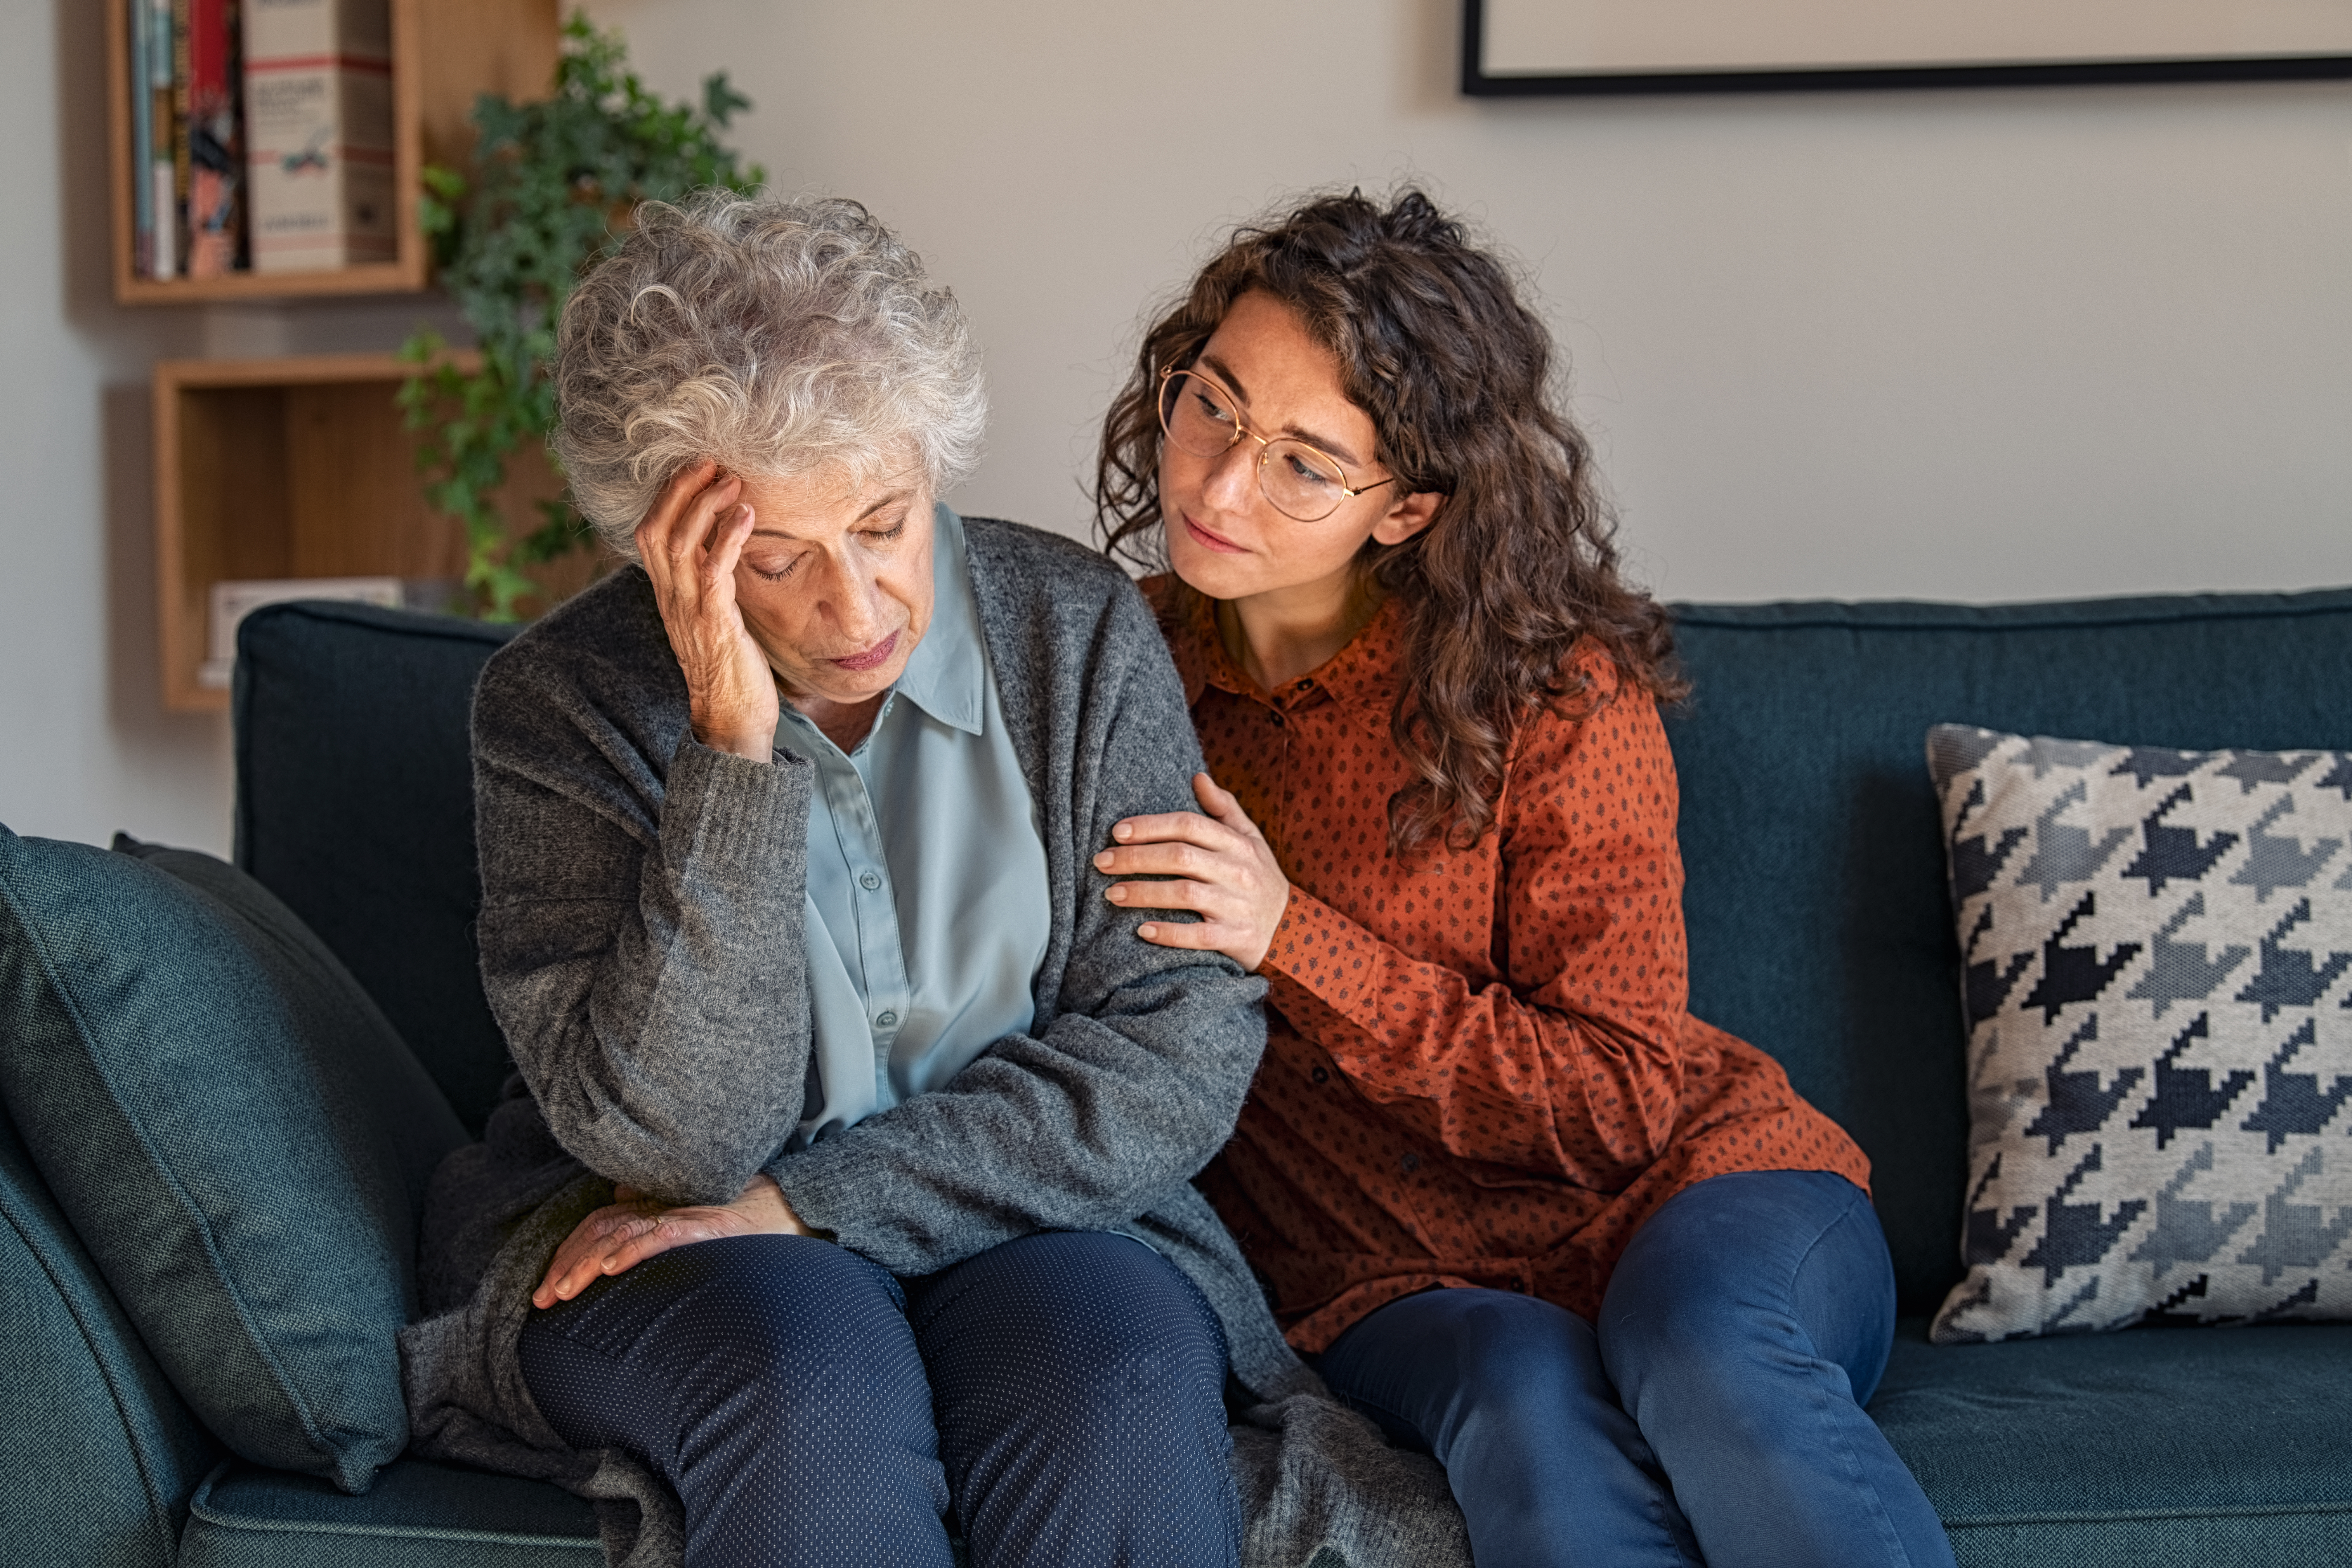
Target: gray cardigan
(640,937)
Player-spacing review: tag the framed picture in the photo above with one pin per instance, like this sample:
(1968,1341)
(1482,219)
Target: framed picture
(1526,48)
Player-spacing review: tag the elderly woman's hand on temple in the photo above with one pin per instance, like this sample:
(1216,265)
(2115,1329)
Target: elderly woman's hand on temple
(632,1228)
(690,541)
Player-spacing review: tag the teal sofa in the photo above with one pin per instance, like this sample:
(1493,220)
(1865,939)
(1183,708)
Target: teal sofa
(1819,929)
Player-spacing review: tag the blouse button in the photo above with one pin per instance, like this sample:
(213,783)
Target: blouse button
(1411,1162)
(1275,714)
(887,1019)
(870,881)
(1319,1076)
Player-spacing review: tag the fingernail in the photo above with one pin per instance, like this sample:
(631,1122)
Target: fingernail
(1116,895)
(1103,860)
(1122,831)
(1147,931)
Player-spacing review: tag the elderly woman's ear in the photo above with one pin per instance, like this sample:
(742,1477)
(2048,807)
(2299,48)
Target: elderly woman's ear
(690,543)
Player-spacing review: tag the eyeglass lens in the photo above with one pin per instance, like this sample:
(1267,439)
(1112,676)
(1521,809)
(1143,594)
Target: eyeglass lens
(1300,481)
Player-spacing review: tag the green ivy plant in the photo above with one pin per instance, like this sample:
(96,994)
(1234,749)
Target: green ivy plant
(553,188)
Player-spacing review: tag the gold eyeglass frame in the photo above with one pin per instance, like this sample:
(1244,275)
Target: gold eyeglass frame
(1265,446)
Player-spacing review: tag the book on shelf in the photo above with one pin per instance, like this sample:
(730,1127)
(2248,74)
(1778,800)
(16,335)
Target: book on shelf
(142,136)
(154,130)
(237,598)
(318,133)
(215,204)
(186,135)
(180,20)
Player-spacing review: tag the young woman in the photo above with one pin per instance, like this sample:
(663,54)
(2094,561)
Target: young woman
(1595,1255)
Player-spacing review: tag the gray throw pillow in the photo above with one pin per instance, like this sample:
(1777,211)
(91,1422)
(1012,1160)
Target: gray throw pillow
(2156,955)
(237,1134)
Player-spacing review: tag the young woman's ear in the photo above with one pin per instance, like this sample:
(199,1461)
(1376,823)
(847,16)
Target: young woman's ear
(1408,517)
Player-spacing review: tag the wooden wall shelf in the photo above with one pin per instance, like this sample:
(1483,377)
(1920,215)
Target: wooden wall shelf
(299,468)
(445,52)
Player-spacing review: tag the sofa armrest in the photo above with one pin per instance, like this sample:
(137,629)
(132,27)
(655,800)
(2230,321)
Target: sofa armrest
(102,1454)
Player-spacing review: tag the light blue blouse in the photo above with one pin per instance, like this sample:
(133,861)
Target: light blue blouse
(927,907)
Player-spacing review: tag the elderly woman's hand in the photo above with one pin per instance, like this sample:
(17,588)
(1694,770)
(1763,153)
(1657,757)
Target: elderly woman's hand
(1223,868)
(690,542)
(632,1229)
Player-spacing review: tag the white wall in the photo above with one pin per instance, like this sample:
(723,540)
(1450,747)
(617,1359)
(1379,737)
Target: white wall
(85,746)
(1972,345)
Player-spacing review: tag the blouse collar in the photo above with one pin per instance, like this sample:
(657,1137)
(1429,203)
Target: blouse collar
(948,672)
(1360,677)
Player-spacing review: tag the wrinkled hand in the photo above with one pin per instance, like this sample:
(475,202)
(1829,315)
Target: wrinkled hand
(632,1229)
(690,541)
(1226,873)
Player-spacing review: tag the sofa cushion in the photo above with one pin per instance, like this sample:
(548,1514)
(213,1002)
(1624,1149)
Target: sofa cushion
(234,1134)
(417,1515)
(410,1112)
(2157,951)
(355,805)
(1818,923)
(2120,1450)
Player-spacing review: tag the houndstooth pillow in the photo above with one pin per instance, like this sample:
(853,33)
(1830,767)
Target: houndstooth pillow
(2156,952)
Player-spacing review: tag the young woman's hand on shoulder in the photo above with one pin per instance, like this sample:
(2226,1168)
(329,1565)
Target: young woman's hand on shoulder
(1220,866)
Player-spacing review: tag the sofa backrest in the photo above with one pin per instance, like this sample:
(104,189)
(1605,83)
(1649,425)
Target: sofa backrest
(355,806)
(1820,925)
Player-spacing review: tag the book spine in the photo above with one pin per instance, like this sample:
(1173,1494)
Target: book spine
(237,107)
(180,122)
(155,158)
(214,172)
(142,135)
(319,134)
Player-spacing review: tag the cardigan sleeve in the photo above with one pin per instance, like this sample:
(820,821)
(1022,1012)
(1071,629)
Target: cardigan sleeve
(1571,1061)
(1135,1074)
(641,928)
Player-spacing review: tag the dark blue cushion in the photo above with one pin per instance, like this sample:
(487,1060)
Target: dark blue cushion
(2188,1446)
(1820,925)
(418,1515)
(236,1135)
(355,805)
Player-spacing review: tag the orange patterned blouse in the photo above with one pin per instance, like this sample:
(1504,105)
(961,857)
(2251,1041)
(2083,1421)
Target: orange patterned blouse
(1480,1067)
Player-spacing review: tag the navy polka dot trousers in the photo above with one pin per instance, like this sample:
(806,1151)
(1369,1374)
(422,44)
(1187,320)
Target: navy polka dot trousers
(1056,1399)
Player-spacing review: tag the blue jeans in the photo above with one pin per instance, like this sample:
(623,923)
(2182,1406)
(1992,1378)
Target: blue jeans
(1714,1415)
(1061,1394)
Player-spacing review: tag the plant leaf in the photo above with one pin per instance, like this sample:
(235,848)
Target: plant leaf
(554,186)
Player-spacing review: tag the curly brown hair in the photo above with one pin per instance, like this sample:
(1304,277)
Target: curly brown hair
(1520,564)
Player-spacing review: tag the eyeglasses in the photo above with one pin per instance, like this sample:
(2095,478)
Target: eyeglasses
(1303,483)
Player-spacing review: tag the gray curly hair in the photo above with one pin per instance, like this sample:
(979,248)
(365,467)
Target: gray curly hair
(774,337)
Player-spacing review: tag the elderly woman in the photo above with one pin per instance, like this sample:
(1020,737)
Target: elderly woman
(844,1185)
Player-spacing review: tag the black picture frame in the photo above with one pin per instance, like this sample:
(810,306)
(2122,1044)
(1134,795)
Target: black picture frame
(1476,83)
